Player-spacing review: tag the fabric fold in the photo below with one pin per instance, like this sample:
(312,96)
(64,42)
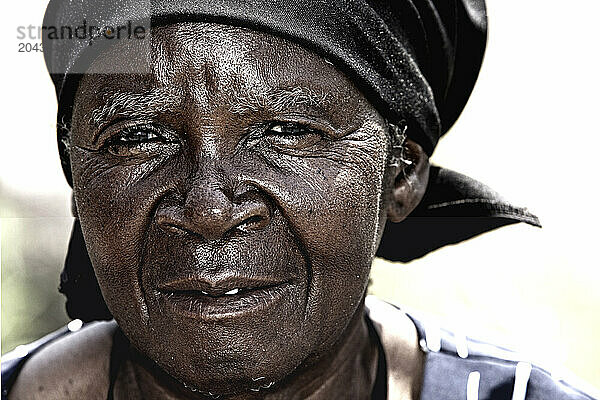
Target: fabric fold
(455,208)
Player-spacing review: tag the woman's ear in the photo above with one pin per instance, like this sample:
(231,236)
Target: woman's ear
(410,181)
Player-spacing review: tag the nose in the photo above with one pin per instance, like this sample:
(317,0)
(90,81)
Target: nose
(211,211)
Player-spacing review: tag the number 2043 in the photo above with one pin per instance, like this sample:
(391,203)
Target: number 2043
(30,47)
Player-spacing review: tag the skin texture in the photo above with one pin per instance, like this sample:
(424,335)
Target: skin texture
(239,157)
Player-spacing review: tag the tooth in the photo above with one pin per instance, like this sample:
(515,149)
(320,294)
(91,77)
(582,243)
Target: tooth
(203,292)
(233,291)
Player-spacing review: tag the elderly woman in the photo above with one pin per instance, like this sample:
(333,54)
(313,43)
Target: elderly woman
(234,172)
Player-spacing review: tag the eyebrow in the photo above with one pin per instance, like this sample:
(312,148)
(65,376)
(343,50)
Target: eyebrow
(131,104)
(278,99)
(144,104)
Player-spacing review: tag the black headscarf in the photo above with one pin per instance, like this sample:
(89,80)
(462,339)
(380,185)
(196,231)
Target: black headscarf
(415,60)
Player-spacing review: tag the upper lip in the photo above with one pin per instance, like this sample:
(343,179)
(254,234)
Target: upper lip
(220,286)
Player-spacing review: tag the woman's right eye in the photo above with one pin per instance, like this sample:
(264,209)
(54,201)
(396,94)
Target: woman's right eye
(137,141)
(135,135)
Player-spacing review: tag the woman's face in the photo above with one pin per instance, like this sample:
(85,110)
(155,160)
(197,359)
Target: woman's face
(231,199)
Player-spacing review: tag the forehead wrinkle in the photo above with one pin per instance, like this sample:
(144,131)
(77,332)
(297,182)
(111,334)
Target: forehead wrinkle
(132,105)
(175,66)
(277,99)
(207,60)
(163,72)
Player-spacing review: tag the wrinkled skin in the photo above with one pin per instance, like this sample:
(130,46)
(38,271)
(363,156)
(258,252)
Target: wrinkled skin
(238,155)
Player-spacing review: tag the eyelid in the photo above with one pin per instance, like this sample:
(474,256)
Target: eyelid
(104,127)
(312,123)
(113,131)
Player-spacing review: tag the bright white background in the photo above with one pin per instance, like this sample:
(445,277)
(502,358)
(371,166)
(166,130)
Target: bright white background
(530,131)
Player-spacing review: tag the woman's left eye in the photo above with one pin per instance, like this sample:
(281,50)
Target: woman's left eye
(292,135)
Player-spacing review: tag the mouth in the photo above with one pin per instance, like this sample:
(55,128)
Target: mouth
(222,299)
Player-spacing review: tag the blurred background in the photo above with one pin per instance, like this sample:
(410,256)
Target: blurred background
(530,131)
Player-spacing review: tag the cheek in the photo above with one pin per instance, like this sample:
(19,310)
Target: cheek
(115,204)
(343,233)
(334,206)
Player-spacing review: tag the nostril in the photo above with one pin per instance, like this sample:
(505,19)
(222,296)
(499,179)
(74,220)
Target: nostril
(255,222)
(172,228)
(253,215)
(167,222)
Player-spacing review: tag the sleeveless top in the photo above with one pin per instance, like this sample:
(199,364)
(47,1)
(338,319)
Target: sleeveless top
(456,367)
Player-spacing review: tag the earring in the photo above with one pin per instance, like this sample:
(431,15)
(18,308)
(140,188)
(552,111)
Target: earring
(398,139)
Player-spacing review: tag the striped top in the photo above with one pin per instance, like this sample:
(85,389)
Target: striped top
(456,367)
(461,368)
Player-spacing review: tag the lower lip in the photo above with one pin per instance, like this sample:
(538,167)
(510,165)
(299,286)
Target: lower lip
(199,306)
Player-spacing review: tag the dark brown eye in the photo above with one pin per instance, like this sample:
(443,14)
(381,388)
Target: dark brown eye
(288,128)
(292,135)
(140,140)
(134,136)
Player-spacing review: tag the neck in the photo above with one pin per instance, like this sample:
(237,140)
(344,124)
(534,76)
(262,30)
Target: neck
(348,370)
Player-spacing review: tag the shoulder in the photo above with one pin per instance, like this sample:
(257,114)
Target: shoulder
(399,340)
(72,366)
(458,367)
